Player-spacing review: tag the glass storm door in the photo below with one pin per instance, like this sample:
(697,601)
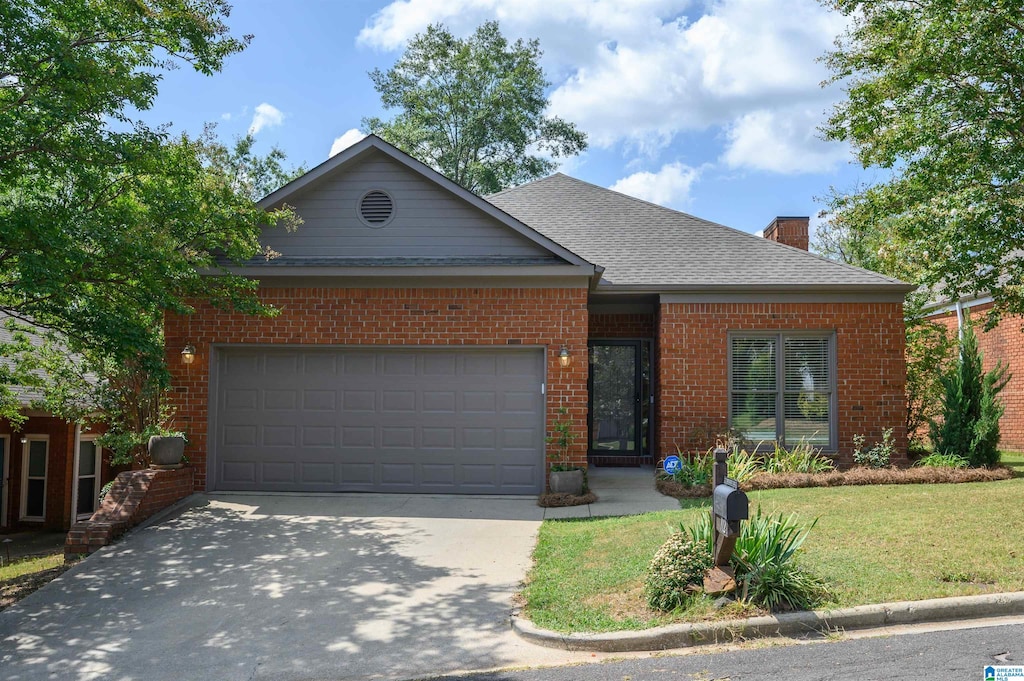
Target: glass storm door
(88,478)
(3,479)
(619,397)
(33,501)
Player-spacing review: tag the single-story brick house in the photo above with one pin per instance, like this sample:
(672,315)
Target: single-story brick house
(428,337)
(1003,343)
(51,471)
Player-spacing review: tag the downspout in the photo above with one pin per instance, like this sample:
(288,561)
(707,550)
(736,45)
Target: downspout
(959,321)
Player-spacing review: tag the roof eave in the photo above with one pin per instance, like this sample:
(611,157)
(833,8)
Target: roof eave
(483,271)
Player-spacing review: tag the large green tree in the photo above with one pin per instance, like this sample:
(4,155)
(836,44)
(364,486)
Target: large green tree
(473,109)
(105,222)
(935,94)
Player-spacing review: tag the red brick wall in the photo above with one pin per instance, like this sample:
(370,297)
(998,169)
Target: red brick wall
(339,316)
(1003,343)
(605,325)
(692,391)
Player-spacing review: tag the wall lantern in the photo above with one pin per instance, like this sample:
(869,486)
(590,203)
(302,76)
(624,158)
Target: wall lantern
(564,358)
(188,354)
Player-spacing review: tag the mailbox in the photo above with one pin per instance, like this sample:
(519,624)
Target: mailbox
(730,503)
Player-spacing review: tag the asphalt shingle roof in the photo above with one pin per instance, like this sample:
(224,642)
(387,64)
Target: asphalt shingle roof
(27,395)
(641,244)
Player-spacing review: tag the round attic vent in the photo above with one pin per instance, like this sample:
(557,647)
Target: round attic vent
(376,208)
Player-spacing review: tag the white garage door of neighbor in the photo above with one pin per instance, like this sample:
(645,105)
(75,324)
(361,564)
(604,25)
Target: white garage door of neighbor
(402,420)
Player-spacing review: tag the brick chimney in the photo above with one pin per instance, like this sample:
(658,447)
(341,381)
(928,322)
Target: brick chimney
(791,231)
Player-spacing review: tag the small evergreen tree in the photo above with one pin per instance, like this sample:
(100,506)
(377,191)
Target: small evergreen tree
(970,406)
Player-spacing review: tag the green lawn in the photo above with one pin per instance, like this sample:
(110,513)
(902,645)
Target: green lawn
(25,566)
(872,544)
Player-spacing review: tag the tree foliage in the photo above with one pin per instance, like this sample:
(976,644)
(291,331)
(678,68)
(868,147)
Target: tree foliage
(473,109)
(935,92)
(971,408)
(105,222)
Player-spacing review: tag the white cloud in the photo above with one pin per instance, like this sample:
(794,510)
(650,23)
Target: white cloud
(265,116)
(781,141)
(226,116)
(637,74)
(670,186)
(347,139)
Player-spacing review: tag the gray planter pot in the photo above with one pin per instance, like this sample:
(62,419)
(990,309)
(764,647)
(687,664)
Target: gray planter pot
(566,482)
(166,451)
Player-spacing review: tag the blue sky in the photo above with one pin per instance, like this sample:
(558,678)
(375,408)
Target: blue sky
(710,108)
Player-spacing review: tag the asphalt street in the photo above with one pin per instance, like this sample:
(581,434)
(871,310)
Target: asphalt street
(937,656)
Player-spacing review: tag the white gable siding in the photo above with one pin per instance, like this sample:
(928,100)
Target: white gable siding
(428,220)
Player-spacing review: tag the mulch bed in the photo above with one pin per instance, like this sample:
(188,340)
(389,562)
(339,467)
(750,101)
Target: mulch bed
(671,488)
(13,590)
(552,500)
(922,475)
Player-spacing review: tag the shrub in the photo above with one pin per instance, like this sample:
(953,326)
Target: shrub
(104,491)
(765,561)
(879,455)
(678,564)
(936,460)
(970,407)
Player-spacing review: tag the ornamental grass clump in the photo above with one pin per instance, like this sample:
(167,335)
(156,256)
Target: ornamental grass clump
(676,574)
(765,561)
(800,458)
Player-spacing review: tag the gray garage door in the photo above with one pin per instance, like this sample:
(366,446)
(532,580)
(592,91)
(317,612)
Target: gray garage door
(449,421)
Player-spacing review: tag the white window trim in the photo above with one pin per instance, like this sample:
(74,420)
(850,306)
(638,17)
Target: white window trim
(79,439)
(5,473)
(781,335)
(25,447)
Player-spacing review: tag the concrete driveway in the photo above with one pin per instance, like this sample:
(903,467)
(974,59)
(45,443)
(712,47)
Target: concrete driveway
(289,587)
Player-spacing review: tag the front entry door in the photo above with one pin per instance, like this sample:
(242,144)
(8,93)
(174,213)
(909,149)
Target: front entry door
(619,401)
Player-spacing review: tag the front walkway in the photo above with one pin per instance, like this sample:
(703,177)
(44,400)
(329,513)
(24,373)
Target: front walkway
(620,491)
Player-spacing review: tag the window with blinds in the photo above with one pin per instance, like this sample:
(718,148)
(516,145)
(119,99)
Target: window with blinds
(782,388)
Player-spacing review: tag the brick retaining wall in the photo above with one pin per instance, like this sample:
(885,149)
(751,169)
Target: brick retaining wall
(134,497)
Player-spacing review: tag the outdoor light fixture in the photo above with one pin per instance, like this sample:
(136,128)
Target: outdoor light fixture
(564,358)
(188,354)
(24,440)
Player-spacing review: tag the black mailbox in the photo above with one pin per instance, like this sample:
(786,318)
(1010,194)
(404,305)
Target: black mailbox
(730,503)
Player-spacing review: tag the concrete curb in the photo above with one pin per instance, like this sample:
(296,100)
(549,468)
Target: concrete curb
(789,624)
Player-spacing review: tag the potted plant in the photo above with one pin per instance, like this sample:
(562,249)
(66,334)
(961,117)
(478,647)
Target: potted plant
(564,477)
(167,448)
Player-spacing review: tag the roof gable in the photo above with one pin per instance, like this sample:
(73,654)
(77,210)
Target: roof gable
(434,221)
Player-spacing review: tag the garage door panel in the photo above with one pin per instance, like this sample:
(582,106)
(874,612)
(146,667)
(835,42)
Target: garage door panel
(449,420)
(319,400)
(319,364)
(359,364)
(279,436)
(317,473)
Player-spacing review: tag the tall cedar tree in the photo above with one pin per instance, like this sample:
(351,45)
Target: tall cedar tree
(970,406)
(473,109)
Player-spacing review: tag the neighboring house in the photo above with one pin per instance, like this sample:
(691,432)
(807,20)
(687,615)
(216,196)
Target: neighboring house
(428,337)
(51,471)
(1005,343)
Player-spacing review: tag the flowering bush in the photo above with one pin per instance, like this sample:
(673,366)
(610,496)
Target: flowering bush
(678,564)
